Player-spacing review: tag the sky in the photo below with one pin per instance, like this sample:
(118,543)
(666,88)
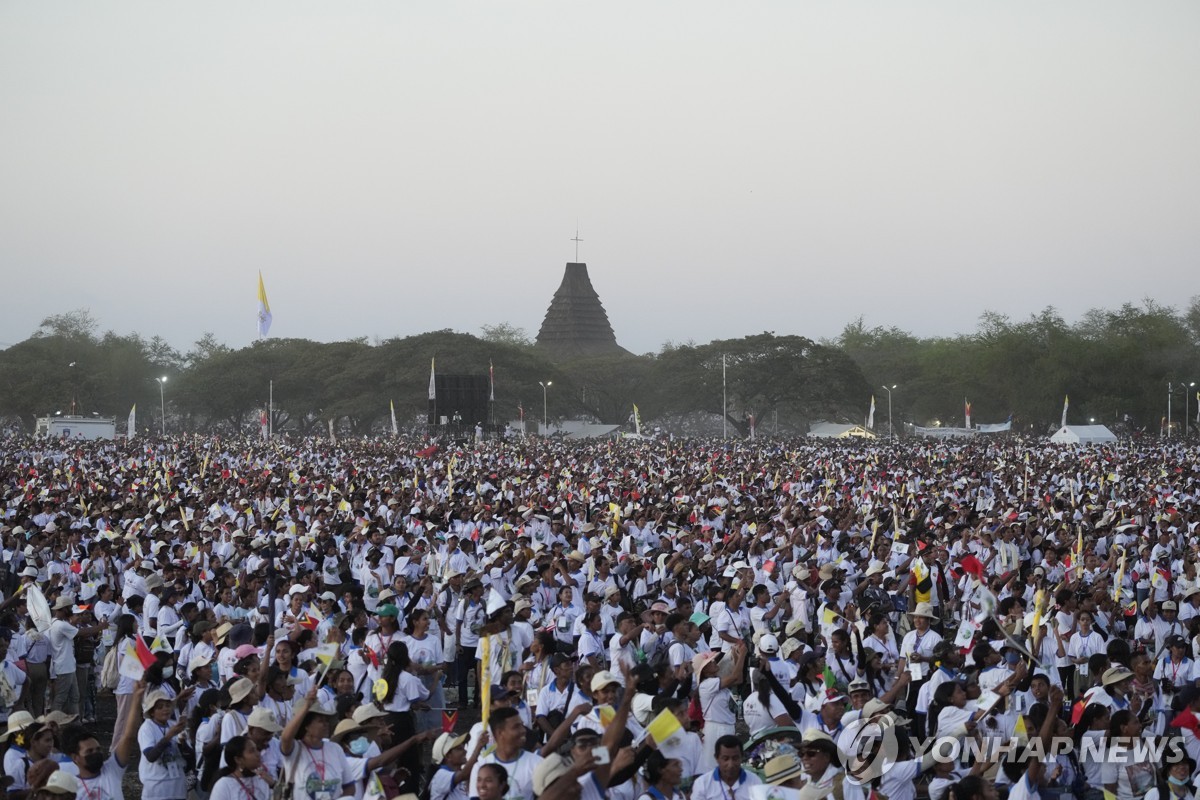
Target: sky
(400,166)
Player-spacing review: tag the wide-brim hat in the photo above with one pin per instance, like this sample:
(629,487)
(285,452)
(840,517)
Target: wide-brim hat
(923,610)
(702,660)
(17,722)
(445,743)
(782,768)
(1114,675)
(346,727)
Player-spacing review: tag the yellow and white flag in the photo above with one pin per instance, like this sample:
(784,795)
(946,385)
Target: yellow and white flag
(264,310)
(131,425)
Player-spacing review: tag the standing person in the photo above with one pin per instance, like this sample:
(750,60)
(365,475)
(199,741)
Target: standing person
(100,776)
(37,667)
(126,629)
(509,734)
(716,701)
(404,689)
(425,650)
(239,778)
(161,769)
(470,619)
(62,654)
(316,766)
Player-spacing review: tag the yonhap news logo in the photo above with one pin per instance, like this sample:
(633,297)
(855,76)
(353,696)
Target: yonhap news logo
(868,748)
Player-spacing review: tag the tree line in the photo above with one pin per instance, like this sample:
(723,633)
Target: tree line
(1116,366)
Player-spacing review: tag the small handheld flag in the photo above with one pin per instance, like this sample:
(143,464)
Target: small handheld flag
(449,721)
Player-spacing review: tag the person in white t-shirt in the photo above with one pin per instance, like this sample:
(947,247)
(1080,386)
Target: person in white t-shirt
(510,753)
(240,777)
(715,698)
(100,776)
(161,768)
(318,767)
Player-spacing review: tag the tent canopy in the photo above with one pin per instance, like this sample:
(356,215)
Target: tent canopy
(1083,434)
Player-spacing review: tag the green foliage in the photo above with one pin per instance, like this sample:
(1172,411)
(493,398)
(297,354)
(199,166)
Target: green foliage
(1112,363)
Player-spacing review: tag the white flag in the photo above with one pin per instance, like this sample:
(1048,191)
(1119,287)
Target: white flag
(265,425)
(967,414)
(1066,402)
(395,429)
(432,387)
(131,425)
(264,310)
(871,414)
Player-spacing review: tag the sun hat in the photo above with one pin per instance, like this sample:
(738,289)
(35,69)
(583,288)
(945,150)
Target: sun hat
(548,771)
(263,718)
(346,727)
(60,782)
(923,610)
(365,713)
(156,696)
(445,743)
(1114,675)
(17,722)
(240,689)
(196,662)
(702,660)
(245,651)
(782,768)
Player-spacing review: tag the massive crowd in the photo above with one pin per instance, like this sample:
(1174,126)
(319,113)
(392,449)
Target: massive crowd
(632,619)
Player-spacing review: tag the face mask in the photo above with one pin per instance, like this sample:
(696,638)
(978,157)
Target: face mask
(1012,657)
(1177,781)
(168,672)
(359,746)
(94,761)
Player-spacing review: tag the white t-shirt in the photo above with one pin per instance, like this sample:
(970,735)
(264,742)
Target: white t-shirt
(163,779)
(714,701)
(759,716)
(106,785)
(231,788)
(318,773)
(443,787)
(520,775)
(62,647)
(409,690)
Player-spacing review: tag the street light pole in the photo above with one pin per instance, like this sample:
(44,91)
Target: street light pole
(1186,401)
(162,403)
(891,431)
(1170,391)
(545,415)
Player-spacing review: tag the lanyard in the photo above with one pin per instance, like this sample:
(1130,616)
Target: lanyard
(87,791)
(250,792)
(318,766)
(727,792)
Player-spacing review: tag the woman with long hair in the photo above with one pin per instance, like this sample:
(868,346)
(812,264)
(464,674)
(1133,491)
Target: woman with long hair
(122,639)
(204,731)
(1126,772)
(239,779)
(403,690)
(425,651)
(762,708)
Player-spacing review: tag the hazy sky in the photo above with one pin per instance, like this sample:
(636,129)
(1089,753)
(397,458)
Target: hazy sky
(396,167)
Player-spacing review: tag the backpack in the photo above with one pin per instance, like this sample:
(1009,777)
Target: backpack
(110,674)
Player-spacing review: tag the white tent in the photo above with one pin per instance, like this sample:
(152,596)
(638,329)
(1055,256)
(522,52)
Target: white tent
(1083,434)
(832,430)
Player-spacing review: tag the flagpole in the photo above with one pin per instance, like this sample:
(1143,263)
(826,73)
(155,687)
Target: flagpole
(271,410)
(724,402)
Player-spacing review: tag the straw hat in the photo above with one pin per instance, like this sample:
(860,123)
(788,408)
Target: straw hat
(923,610)
(17,722)
(782,768)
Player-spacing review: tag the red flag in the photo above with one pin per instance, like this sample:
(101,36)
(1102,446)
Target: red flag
(449,721)
(76,567)
(1186,719)
(972,566)
(427,452)
(307,622)
(372,656)
(143,653)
